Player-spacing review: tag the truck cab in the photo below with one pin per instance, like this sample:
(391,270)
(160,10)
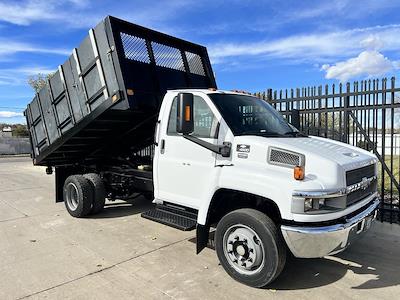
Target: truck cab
(319,194)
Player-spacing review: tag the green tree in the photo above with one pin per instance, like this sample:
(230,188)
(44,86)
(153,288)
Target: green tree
(20,130)
(38,81)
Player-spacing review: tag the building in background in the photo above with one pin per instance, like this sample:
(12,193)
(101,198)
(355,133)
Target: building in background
(10,145)
(6,132)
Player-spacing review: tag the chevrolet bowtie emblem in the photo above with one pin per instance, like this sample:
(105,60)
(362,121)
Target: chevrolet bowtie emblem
(364,183)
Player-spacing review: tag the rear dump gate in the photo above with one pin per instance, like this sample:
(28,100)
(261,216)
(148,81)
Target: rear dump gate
(104,100)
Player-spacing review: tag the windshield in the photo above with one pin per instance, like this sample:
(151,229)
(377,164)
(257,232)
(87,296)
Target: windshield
(246,115)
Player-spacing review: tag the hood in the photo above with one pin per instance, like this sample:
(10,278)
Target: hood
(347,156)
(325,160)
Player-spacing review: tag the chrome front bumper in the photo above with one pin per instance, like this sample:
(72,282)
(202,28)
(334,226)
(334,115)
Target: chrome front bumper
(312,242)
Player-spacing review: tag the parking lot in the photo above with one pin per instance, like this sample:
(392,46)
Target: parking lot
(45,253)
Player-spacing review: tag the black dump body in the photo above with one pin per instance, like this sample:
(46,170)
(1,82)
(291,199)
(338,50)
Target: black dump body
(104,100)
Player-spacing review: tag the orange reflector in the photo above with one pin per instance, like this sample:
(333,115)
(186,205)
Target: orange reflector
(187,113)
(298,173)
(114,98)
(130,92)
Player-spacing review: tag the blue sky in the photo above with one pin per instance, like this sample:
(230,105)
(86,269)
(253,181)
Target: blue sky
(253,45)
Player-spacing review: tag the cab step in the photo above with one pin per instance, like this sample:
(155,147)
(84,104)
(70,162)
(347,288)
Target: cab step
(172,216)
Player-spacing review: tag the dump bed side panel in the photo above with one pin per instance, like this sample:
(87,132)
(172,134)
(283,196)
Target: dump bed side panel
(79,86)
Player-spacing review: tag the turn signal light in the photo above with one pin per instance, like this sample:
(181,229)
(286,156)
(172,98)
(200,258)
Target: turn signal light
(298,173)
(187,113)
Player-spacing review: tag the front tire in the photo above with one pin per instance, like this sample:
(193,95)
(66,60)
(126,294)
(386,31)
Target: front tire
(250,247)
(78,195)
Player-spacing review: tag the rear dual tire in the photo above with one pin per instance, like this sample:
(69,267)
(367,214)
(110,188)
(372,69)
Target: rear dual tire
(99,192)
(84,194)
(78,196)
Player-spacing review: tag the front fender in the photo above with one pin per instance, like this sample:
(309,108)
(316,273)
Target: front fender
(270,185)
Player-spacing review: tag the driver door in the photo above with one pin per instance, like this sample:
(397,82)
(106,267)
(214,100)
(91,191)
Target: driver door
(183,167)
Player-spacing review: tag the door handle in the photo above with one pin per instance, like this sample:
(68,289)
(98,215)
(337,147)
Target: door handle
(162,146)
(157,133)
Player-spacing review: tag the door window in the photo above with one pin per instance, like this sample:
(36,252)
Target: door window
(205,123)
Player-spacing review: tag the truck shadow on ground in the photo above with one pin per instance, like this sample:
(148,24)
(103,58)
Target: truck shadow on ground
(372,267)
(377,264)
(373,261)
(120,209)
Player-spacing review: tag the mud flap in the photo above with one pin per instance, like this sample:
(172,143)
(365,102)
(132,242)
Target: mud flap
(202,233)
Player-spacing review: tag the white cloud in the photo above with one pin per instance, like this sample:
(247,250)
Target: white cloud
(84,13)
(29,11)
(367,63)
(317,47)
(19,75)
(372,42)
(328,13)
(343,54)
(25,12)
(8,47)
(10,114)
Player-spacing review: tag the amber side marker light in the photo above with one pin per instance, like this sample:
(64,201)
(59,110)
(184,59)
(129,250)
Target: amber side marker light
(298,173)
(187,113)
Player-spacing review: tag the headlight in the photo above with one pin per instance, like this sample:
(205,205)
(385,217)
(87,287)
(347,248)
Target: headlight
(308,204)
(318,202)
(314,204)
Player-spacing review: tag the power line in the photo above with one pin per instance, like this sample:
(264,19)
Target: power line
(12,107)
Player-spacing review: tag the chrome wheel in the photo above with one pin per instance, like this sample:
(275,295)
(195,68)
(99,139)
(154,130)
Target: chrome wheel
(72,196)
(243,249)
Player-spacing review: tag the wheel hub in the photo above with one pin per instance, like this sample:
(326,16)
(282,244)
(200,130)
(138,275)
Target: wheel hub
(72,196)
(243,249)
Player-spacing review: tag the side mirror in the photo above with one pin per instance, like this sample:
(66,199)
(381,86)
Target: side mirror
(295,118)
(184,117)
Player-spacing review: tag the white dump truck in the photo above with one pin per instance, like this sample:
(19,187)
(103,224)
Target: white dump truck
(134,111)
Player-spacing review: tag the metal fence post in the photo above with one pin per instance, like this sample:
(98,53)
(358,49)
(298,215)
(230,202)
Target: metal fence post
(346,131)
(269,96)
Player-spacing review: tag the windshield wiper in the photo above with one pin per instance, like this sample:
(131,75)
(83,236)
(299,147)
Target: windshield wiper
(295,133)
(261,133)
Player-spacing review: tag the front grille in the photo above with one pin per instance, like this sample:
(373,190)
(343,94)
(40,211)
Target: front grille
(360,194)
(356,175)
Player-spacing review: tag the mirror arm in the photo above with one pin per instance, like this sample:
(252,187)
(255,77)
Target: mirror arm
(224,150)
